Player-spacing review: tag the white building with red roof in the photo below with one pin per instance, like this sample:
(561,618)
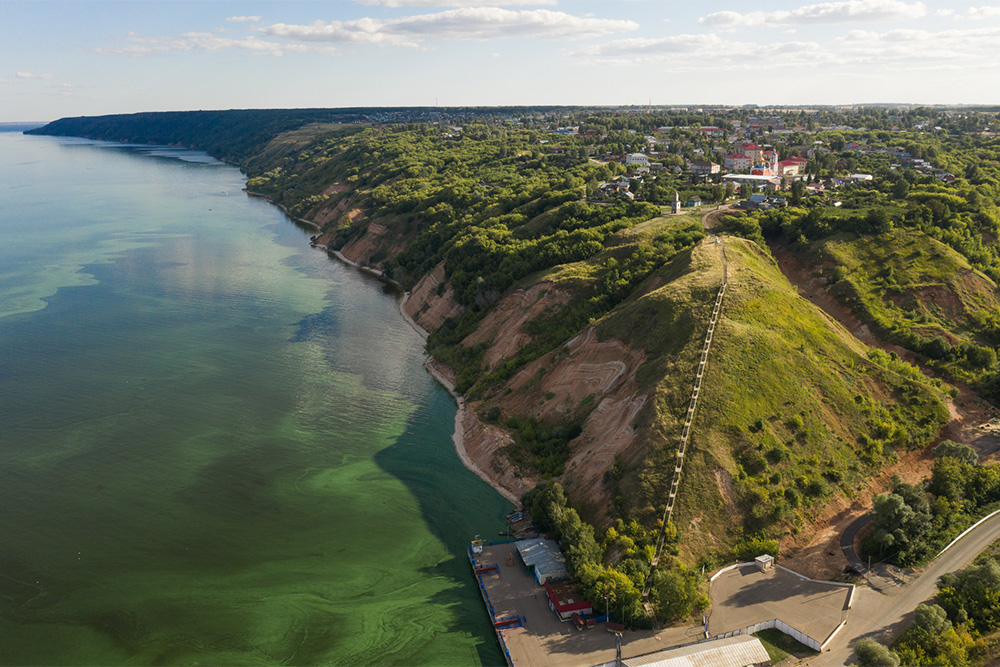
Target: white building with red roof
(788,168)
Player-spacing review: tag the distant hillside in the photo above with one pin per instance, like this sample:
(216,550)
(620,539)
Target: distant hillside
(234,136)
(916,292)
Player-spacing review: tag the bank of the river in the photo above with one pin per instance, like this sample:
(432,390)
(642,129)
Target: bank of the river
(218,445)
(446,377)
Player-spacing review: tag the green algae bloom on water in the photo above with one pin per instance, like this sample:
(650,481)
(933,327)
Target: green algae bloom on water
(217,446)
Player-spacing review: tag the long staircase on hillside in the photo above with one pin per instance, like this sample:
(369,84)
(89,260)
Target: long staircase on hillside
(685,433)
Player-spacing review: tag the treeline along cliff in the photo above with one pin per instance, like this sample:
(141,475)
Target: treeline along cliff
(570,305)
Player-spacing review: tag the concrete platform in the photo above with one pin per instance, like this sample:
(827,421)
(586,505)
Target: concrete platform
(544,639)
(745,596)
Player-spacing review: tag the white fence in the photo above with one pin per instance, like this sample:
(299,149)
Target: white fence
(780,625)
(777,624)
(728,568)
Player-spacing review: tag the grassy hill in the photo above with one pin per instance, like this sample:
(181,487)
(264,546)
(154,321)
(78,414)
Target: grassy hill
(915,291)
(792,408)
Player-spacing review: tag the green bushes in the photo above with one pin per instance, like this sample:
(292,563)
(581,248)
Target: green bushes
(616,568)
(750,547)
(912,523)
(955,632)
(872,654)
(545,448)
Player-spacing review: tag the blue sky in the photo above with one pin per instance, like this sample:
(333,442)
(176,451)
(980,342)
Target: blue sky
(89,57)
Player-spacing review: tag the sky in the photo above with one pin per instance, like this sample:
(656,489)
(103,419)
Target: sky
(91,57)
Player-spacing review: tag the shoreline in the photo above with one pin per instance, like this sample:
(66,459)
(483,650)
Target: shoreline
(430,365)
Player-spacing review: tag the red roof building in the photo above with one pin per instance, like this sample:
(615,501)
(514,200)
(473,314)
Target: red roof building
(565,601)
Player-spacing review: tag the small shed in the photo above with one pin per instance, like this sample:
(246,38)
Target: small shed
(542,558)
(764,562)
(693,201)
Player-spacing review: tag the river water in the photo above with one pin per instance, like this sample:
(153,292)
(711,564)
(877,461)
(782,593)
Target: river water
(217,445)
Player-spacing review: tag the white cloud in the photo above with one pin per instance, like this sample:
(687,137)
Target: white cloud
(243,19)
(705,52)
(478,24)
(139,45)
(859,53)
(485,23)
(848,11)
(922,50)
(29,75)
(454,3)
(361,31)
(976,13)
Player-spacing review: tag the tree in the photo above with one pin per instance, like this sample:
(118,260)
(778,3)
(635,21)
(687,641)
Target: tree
(933,619)
(677,594)
(545,502)
(879,221)
(932,640)
(973,594)
(798,189)
(872,654)
(900,189)
(956,450)
(902,520)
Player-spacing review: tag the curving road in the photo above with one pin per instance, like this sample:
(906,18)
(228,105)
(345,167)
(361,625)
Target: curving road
(847,542)
(884,615)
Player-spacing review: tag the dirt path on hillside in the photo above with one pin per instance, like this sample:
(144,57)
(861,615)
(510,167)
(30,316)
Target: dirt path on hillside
(816,551)
(713,218)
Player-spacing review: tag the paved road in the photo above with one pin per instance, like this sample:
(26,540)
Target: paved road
(885,614)
(847,542)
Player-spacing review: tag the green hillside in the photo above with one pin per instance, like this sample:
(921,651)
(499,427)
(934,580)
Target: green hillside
(793,410)
(917,292)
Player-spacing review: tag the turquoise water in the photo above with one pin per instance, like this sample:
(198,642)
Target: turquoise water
(217,445)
